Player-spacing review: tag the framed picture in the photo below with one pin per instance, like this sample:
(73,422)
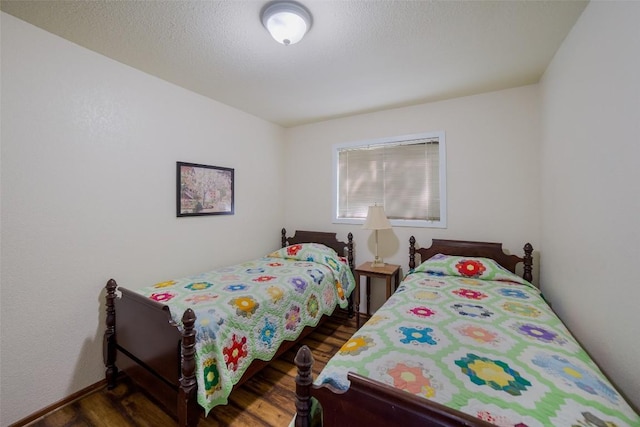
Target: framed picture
(204,190)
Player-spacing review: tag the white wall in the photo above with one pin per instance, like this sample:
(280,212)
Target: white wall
(89,151)
(590,187)
(492,171)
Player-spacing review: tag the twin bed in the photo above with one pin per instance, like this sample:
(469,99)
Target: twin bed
(462,342)
(190,341)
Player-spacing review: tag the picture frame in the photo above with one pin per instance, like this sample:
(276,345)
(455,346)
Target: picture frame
(204,190)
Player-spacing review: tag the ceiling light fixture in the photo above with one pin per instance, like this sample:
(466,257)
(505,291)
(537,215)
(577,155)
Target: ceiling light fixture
(286,21)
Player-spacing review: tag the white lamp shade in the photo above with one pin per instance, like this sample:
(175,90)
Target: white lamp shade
(376,219)
(287,22)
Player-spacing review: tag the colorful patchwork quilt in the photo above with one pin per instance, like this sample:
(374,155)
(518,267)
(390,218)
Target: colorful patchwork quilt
(244,312)
(468,334)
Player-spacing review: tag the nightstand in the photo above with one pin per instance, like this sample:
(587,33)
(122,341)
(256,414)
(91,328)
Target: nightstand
(387,272)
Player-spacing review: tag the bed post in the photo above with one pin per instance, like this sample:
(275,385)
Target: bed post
(109,342)
(283,237)
(304,361)
(188,411)
(528,262)
(350,310)
(412,253)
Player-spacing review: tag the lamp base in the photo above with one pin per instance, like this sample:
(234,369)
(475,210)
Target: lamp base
(377,263)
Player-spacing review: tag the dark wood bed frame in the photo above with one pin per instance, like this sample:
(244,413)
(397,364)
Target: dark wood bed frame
(373,404)
(159,356)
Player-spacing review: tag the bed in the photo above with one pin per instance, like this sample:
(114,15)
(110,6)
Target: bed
(189,341)
(463,342)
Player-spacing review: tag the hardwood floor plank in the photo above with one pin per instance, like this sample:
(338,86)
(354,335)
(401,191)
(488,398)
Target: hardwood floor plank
(137,403)
(65,416)
(253,403)
(275,376)
(99,410)
(232,415)
(335,331)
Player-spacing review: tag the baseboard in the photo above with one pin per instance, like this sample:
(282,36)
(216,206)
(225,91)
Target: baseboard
(55,406)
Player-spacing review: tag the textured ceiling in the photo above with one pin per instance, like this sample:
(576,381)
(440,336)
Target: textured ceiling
(360,55)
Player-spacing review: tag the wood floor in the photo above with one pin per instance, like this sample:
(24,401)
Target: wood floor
(267,399)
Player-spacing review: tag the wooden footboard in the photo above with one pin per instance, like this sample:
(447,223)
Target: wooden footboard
(144,331)
(369,403)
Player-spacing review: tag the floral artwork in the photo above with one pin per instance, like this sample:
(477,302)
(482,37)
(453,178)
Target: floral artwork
(470,268)
(422,312)
(276,293)
(264,278)
(196,299)
(162,296)
(472,310)
(513,293)
(292,318)
(313,306)
(478,334)
(293,250)
(493,373)
(575,375)
(411,379)
(235,352)
(165,284)
(204,190)
(538,332)
(521,309)
(268,332)
(416,335)
(470,294)
(211,376)
(299,284)
(356,345)
(245,306)
(198,286)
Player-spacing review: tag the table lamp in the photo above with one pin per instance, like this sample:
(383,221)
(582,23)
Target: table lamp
(376,220)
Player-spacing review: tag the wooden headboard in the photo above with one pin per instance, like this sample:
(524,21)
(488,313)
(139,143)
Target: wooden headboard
(327,239)
(474,249)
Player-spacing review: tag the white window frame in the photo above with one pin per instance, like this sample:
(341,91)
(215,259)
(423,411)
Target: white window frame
(441,223)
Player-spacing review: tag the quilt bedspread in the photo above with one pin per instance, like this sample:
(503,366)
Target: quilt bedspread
(469,335)
(244,312)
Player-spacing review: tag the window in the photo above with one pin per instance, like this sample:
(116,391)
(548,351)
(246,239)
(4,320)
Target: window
(404,174)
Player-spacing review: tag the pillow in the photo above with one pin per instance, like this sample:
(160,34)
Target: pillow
(306,252)
(471,267)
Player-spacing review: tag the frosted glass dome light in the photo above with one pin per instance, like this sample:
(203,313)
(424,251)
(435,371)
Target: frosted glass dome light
(286,21)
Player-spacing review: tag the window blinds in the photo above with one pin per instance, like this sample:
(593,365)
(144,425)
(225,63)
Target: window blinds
(404,177)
